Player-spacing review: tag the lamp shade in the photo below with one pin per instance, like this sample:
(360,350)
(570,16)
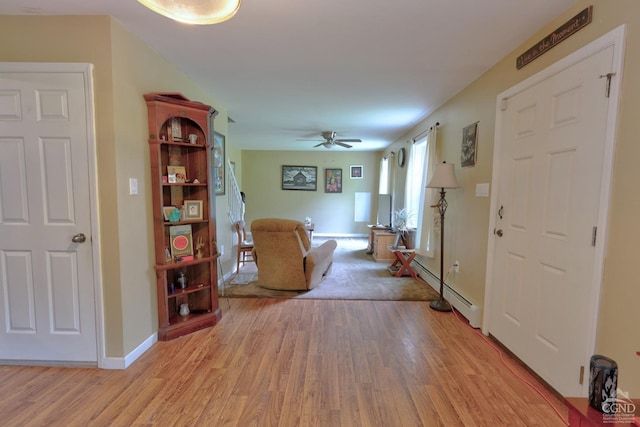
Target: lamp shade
(199,12)
(444,176)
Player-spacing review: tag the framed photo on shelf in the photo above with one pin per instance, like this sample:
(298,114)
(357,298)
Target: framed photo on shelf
(333,180)
(176,174)
(176,129)
(217,162)
(192,209)
(469,145)
(181,240)
(166,212)
(356,171)
(299,178)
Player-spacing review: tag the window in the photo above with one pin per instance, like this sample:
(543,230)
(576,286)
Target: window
(418,198)
(383,185)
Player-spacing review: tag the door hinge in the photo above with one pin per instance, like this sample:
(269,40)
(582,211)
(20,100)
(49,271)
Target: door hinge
(594,235)
(608,87)
(581,375)
(503,104)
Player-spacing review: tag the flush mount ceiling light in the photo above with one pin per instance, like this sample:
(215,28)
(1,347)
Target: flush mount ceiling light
(198,12)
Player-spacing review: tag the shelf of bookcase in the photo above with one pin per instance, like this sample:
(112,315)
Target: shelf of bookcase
(178,144)
(189,290)
(177,319)
(174,265)
(187,221)
(185,184)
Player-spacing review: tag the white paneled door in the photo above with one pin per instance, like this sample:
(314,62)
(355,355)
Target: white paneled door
(47,295)
(551,158)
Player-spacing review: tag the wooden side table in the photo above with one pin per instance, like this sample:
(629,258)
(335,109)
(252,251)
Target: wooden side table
(372,230)
(402,264)
(309,227)
(382,241)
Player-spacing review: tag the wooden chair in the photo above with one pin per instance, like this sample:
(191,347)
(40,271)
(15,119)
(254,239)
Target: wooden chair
(245,246)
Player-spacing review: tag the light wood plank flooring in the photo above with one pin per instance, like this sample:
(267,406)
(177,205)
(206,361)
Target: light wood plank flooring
(293,363)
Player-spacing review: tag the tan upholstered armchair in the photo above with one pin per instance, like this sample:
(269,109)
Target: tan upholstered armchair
(284,255)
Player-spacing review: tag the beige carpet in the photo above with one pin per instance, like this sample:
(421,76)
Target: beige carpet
(355,276)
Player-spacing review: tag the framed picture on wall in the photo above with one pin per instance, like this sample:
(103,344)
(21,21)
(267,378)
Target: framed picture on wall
(217,162)
(299,178)
(469,145)
(333,180)
(356,172)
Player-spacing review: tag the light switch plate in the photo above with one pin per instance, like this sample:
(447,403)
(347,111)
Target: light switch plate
(133,186)
(482,190)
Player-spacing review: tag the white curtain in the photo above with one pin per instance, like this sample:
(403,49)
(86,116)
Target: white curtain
(413,185)
(425,236)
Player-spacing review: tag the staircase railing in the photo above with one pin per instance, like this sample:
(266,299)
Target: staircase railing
(236,205)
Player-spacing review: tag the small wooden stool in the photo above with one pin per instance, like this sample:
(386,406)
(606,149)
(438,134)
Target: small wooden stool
(402,264)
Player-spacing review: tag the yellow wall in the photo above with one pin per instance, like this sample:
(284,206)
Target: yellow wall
(138,70)
(66,39)
(124,69)
(468,216)
(330,212)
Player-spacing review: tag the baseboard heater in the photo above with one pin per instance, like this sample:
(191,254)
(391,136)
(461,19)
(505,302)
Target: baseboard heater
(472,312)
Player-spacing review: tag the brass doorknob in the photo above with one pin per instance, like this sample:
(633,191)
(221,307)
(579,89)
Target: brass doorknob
(79,238)
(499,233)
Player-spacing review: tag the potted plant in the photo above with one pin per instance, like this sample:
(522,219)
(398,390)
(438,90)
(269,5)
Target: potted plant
(406,234)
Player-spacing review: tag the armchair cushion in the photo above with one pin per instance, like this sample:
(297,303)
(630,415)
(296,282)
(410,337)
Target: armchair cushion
(285,258)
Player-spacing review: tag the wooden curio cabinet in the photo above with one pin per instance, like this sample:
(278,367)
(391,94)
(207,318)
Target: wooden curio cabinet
(184,225)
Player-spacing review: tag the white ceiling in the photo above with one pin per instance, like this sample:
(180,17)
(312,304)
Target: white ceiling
(368,69)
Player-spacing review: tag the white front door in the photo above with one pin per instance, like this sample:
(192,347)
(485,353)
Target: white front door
(47,296)
(551,159)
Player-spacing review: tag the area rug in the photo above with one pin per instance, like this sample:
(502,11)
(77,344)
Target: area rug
(243,278)
(354,276)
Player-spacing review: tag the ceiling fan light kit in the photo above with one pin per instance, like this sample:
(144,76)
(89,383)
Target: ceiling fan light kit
(197,12)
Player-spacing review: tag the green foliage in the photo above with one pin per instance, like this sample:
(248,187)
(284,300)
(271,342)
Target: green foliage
(400,218)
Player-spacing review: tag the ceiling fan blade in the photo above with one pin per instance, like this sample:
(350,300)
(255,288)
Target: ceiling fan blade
(331,141)
(347,140)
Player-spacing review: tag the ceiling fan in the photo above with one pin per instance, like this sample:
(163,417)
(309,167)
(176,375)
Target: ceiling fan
(331,141)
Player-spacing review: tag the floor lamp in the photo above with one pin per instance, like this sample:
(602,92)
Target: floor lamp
(443,177)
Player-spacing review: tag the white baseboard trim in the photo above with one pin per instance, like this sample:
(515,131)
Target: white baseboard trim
(226,276)
(472,312)
(125,362)
(64,363)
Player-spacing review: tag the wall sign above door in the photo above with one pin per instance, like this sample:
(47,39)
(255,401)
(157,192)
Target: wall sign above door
(563,32)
